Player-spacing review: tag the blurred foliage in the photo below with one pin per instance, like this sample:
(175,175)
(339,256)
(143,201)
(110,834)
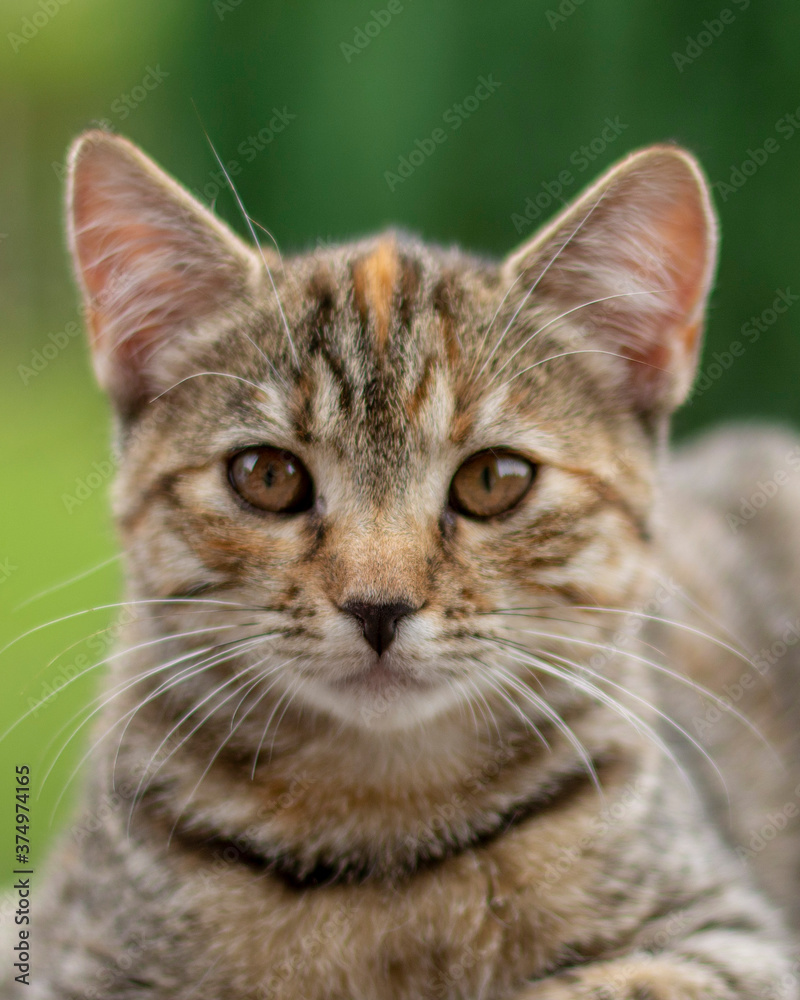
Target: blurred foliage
(362,93)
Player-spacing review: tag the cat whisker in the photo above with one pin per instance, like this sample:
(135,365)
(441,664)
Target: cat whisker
(236,378)
(298,684)
(663,715)
(225,742)
(539,703)
(526,658)
(106,697)
(185,673)
(472,684)
(535,284)
(142,791)
(264,734)
(264,229)
(666,671)
(479,351)
(556,319)
(740,654)
(249,224)
(569,354)
(125,604)
(115,625)
(67,583)
(194,670)
(543,706)
(113,656)
(148,775)
(490,711)
(683,594)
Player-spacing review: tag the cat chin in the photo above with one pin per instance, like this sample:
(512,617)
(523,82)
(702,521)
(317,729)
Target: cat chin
(380,704)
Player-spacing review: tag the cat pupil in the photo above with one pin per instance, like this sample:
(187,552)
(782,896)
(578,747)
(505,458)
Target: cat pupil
(487,478)
(270,476)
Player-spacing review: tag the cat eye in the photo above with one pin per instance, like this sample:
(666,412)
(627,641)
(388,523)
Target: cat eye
(490,483)
(271,479)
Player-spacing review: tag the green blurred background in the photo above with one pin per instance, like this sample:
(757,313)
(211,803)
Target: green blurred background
(361,93)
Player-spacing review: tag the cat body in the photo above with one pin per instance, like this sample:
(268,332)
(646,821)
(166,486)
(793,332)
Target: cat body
(420,691)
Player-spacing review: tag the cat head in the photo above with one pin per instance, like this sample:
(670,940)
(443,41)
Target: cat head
(391,462)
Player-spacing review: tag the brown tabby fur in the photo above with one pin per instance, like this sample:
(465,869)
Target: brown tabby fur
(536,793)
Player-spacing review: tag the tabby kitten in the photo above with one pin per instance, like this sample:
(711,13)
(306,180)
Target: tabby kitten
(419,692)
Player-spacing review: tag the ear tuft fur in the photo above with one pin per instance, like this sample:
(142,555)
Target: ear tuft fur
(633,259)
(151,262)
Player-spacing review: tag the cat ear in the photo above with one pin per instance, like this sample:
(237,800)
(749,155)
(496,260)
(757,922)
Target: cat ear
(632,262)
(152,263)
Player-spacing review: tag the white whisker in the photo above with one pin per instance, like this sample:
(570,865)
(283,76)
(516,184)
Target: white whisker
(535,285)
(525,658)
(66,583)
(667,671)
(556,319)
(249,223)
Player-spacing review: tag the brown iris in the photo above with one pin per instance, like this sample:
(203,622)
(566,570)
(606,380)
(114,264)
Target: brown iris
(491,482)
(271,479)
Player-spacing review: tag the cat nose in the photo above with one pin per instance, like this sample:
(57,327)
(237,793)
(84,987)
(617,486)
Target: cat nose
(378,621)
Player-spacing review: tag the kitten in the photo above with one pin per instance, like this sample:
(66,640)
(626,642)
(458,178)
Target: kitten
(432,681)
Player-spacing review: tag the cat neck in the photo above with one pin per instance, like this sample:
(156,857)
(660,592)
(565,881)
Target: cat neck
(329,804)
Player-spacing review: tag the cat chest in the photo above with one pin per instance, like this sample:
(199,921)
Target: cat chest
(500,914)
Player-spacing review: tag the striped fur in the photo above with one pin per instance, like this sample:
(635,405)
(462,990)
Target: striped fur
(518,801)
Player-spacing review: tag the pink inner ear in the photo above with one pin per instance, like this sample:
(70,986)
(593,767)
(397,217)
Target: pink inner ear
(684,231)
(670,253)
(152,263)
(633,260)
(680,245)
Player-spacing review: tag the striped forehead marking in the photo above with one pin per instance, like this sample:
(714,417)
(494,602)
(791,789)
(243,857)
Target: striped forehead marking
(375,278)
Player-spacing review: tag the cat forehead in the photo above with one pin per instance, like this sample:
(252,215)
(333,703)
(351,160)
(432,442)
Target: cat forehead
(385,336)
(389,295)
(386,352)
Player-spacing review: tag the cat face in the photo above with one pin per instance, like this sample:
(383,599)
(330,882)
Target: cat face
(409,472)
